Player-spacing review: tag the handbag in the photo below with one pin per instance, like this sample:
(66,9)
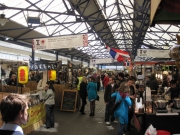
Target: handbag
(97,98)
(115,106)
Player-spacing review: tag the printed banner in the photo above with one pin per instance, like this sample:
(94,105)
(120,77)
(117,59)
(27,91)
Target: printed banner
(153,53)
(72,41)
(36,113)
(101,61)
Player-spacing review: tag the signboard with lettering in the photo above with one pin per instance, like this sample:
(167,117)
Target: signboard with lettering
(69,100)
(153,53)
(72,41)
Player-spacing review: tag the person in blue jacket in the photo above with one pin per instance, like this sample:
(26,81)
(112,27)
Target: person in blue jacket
(92,94)
(121,112)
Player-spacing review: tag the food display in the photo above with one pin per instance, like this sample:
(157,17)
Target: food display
(34,99)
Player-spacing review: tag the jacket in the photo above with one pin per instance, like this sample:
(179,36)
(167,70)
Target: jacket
(8,132)
(105,81)
(49,97)
(92,91)
(79,82)
(108,91)
(122,111)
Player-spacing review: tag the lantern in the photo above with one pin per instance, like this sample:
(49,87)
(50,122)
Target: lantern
(52,75)
(23,74)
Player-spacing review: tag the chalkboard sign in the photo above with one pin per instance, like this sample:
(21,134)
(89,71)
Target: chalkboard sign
(69,99)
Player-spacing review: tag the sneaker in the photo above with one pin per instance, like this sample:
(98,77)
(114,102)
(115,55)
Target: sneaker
(107,123)
(114,122)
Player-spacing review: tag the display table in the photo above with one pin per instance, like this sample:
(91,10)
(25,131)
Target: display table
(168,122)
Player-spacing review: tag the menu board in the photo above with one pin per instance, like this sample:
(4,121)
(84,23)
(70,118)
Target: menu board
(69,100)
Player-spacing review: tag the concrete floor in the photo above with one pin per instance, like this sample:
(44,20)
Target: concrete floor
(69,123)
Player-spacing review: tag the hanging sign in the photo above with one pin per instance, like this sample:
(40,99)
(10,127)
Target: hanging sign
(52,75)
(153,53)
(72,41)
(101,61)
(23,74)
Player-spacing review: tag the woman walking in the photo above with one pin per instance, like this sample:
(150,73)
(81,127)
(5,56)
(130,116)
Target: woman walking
(92,94)
(83,94)
(122,111)
(49,102)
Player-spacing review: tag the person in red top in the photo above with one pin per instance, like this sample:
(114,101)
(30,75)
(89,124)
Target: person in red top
(106,80)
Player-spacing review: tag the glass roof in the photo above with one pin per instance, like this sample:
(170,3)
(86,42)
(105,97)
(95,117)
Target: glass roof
(59,17)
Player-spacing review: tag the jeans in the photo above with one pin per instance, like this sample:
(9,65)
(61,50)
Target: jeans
(108,112)
(121,127)
(49,115)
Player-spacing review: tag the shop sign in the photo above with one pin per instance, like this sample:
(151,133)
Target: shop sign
(153,53)
(23,74)
(72,41)
(52,75)
(36,113)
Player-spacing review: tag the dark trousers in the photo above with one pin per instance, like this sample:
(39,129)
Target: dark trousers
(98,86)
(108,114)
(121,127)
(49,115)
(84,102)
(130,115)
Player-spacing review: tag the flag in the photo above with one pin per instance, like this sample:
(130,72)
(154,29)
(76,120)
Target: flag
(119,55)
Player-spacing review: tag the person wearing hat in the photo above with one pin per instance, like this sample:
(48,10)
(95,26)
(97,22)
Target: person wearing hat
(121,113)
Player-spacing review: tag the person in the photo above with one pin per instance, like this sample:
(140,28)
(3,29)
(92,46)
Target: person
(106,80)
(78,82)
(153,84)
(121,78)
(102,78)
(122,111)
(83,94)
(109,101)
(14,113)
(165,82)
(49,103)
(98,81)
(174,90)
(13,80)
(92,94)
(131,83)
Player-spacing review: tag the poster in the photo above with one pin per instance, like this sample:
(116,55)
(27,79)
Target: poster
(72,41)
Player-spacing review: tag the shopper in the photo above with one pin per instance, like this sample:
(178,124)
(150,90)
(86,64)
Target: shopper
(83,94)
(153,84)
(14,113)
(49,102)
(92,94)
(106,80)
(121,78)
(132,94)
(78,82)
(109,101)
(122,111)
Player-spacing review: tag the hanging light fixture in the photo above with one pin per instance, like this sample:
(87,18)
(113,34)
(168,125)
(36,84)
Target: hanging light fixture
(3,19)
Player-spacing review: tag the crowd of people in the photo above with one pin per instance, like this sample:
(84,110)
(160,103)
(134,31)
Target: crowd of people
(116,87)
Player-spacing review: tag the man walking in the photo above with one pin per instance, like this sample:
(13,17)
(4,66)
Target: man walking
(109,101)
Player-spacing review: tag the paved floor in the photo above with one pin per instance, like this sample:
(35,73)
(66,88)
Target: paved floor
(69,123)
